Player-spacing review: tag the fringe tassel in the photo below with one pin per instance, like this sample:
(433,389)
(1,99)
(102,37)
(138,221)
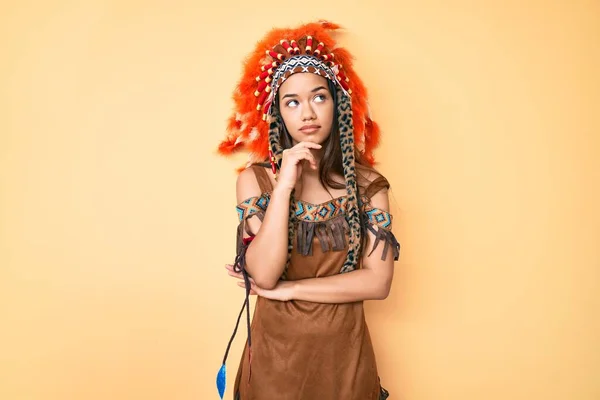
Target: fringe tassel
(381,235)
(331,235)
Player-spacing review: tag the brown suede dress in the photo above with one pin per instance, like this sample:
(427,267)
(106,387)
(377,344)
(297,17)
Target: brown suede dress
(303,350)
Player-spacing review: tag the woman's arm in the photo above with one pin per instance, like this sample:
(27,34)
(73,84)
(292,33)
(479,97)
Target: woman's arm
(371,282)
(358,285)
(267,254)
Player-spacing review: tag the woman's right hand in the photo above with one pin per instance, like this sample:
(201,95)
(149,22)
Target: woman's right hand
(292,163)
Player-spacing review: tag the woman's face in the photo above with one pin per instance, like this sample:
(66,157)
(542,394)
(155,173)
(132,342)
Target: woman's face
(306,107)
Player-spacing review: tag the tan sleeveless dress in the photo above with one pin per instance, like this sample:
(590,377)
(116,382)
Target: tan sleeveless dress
(303,350)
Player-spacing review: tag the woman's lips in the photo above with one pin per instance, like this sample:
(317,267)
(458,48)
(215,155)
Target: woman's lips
(310,128)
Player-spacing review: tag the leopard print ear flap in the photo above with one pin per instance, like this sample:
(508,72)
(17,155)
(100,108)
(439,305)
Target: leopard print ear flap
(275,129)
(353,214)
(291,233)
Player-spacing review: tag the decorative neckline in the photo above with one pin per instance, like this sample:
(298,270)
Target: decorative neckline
(335,199)
(310,212)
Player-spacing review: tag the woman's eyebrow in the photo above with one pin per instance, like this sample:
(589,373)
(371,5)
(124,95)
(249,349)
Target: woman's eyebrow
(312,91)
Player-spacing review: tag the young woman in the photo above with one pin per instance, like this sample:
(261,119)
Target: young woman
(314,239)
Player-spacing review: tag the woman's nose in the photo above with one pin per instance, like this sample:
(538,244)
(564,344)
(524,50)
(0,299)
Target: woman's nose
(308,113)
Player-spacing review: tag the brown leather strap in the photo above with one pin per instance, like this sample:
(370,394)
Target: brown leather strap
(263,179)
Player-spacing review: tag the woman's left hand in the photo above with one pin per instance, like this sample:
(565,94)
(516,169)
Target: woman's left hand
(281,292)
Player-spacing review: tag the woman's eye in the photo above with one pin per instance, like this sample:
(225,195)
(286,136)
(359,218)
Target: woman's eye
(292,103)
(320,98)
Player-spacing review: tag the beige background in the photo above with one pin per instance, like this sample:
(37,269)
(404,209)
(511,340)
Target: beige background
(116,216)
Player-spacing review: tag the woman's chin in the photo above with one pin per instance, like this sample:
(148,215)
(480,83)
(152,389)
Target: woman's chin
(312,137)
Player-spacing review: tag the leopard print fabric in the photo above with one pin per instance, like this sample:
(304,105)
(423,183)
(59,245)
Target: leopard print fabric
(275,129)
(353,213)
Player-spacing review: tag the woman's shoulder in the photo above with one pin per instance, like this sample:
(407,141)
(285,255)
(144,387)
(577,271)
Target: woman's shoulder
(253,181)
(249,174)
(370,181)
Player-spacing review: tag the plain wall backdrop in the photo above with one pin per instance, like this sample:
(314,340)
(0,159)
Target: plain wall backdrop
(117,216)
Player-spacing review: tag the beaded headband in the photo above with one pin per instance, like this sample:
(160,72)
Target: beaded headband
(304,63)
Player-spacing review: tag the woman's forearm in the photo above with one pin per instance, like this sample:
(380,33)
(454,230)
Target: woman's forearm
(267,254)
(358,285)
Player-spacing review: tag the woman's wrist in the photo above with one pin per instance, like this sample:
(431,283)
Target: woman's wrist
(281,191)
(291,287)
